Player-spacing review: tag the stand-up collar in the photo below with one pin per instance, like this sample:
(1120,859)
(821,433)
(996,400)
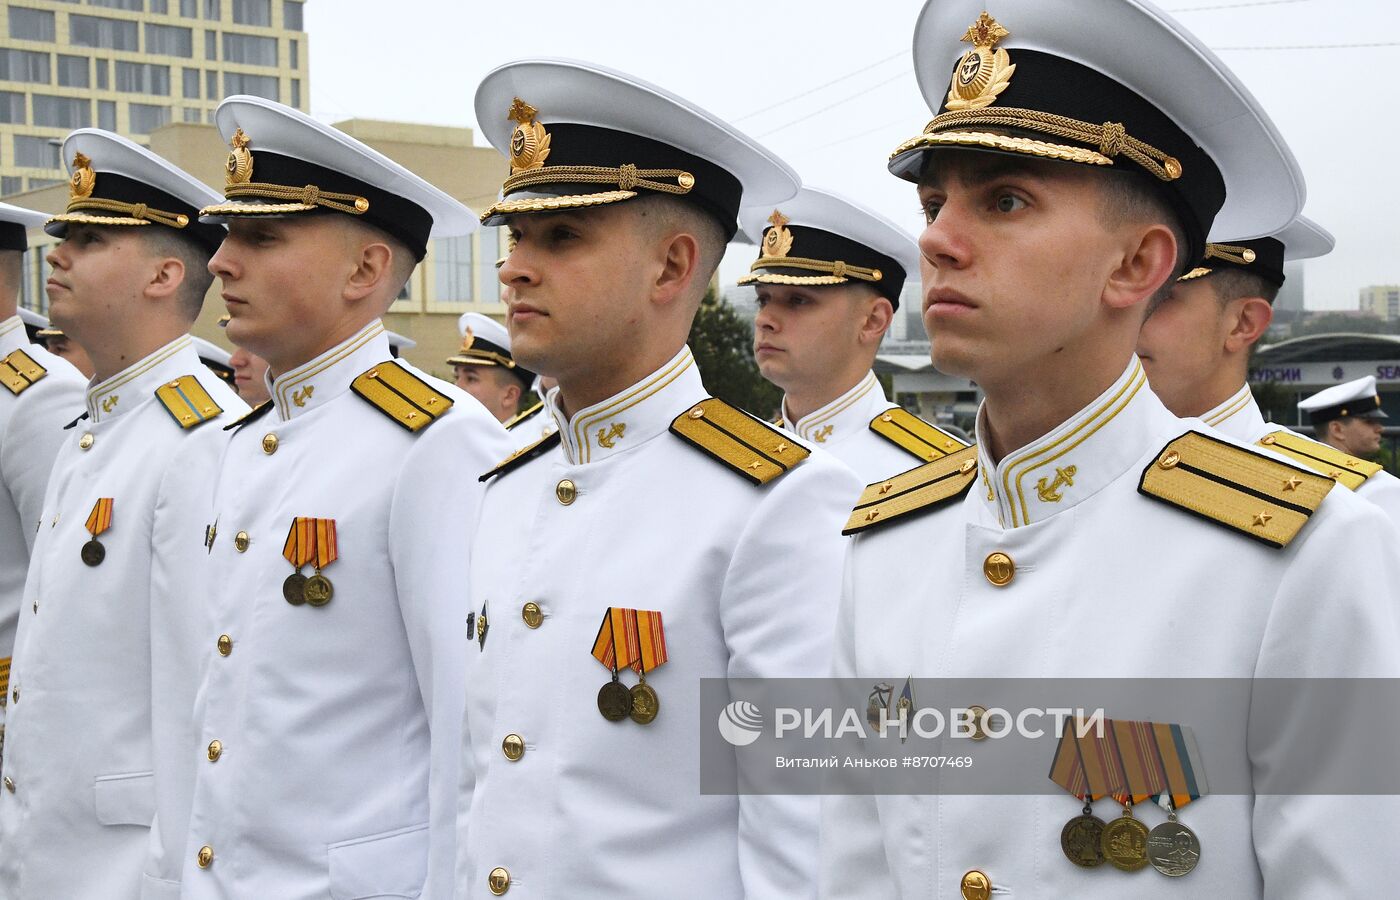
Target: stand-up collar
(1239,417)
(12,335)
(137,383)
(847,415)
(1077,459)
(631,417)
(330,374)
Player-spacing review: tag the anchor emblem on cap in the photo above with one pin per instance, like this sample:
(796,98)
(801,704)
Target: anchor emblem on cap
(983,72)
(529,143)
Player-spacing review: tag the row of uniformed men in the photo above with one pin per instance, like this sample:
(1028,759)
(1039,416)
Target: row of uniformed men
(239,668)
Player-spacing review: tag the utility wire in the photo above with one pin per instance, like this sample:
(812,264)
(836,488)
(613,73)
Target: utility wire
(1215,6)
(822,87)
(904,73)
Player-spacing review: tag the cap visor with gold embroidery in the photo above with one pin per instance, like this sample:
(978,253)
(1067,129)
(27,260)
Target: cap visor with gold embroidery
(1264,257)
(579,135)
(821,238)
(113,181)
(282,162)
(1105,83)
(486,342)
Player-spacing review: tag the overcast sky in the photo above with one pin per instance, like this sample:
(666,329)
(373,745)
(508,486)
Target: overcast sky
(768,68)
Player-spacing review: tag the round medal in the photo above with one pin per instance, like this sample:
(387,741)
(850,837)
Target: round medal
(644,704)
(1125,843)
(93,552)
(1082,841)
(318,590)
(294,589)
(614,701)
(1173,849)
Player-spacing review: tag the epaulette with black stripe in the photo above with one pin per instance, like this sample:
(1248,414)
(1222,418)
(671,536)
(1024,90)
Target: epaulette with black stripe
(747,445)
(19,371)
(1349,471)
(525,416)
(913,435)
(188,403)
(524,455)
(914,492)
(250,416)
(1254,494)
(401,395)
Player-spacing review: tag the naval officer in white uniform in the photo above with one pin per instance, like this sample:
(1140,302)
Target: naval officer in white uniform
(128,281)
(1196,346)
(328,715)
(828,276)
(720,531)
(1067,183)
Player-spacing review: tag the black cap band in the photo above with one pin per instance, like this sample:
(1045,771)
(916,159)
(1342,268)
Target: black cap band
(1262,258)
(14,236)
(116,196)
(820,251)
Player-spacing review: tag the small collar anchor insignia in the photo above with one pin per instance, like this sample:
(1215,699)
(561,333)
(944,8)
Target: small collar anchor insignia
(777,241)
(1050,493)
(821,436)
(607,437)
(300,397)
(983,72)
(109,403)
(529,143)
(84,179)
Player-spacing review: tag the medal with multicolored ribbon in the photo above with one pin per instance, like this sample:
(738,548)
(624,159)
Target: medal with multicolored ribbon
(650,638)
(309,541)
(98,521)
(1081,839)
(614,699)
(1172,848)
(1135,776)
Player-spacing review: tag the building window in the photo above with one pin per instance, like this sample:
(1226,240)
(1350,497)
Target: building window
(189,9)
(11,184)
(294,53)
(291,15)
(160,7)
(36,183)
(252,12)
(36,152)
(73,71)
(212,10)
(12,108)
(169,40)
(250,50)
(24,65)
(31,24)
(452,270)
(257,85)
(146,118)
(143,78)
(193,116)
(211,86)
(191,84)
(102,73)
(107,115)
(133,5)
(296,93)
(112,34)
(211,45)
(62,112)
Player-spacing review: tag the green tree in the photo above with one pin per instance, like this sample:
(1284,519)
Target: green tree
(723,346)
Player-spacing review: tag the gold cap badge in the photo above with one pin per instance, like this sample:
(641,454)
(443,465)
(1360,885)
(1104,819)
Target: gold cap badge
(777,241)
(467,340)
(983,72)
(529,143)
(84,179)
(240,161)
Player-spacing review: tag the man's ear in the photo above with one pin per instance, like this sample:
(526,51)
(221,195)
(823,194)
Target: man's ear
(878,317)
(680,265)
(1148,260)
(167,275)
(370,271)
(511,395)
(1252,316)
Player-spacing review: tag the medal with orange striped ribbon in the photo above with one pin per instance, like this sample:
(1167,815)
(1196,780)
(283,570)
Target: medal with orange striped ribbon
(1081,838)
(309,541)
(650,638)
(98,521)
(614,700)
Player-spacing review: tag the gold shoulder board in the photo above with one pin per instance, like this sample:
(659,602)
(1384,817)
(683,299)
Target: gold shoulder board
(1349,471)
(910,433)
(524,455)
(401,395)
(18,371)
(5,675)
(527,414)
(1252,493)
(187,401)
(747,445)
(919,490)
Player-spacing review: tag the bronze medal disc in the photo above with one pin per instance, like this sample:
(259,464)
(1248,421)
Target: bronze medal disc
(93,552)
(614,701)
(645,704)
(1173,849)
(1082,841)
(318,590)
(294,589)
(1125,843)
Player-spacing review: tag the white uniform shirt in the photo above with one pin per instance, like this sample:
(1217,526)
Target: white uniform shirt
(1240,418)
(746,579)
(79,748)
(842,428)
(339,726)
(1110,583)
(31,431)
